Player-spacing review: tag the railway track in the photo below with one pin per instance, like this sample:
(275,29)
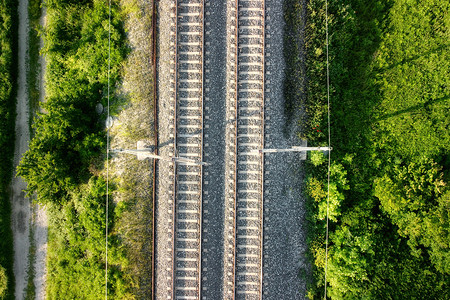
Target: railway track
(249,137)
(188,143)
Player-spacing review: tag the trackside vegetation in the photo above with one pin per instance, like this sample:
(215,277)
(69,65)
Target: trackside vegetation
(34,67)
(389,205)
(8,73)
(64,164)
(132,177)
(294,79)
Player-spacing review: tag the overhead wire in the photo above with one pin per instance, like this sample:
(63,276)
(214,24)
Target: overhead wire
(329,151)
(108,121)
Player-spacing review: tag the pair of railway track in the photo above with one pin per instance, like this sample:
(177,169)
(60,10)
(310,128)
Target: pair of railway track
(244,248)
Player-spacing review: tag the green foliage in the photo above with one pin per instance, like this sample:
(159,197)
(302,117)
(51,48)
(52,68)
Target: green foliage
(134,194)
(389,62)
(317,190)
(3,282)
(134,214)
(349,263)
(76,251)
(369,262)
(34,67)
(436,225)
(8,71)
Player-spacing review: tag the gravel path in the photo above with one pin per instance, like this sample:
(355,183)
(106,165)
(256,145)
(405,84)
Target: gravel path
(21,210)
(285,240)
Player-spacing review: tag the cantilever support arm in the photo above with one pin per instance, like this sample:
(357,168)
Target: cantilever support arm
(147,153)
(293,149)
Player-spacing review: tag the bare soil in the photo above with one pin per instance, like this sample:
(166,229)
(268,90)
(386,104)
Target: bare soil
(21,209)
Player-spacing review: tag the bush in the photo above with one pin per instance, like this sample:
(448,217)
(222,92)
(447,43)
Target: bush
(317,158)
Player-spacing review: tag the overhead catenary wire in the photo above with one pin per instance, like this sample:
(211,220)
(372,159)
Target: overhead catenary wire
(107,153)
(329,145)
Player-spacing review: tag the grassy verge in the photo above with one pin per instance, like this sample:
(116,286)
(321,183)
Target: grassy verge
(388,204)
(294,53)
(8,79)
(133,178)
(34,67)
(30,289)
(33,74)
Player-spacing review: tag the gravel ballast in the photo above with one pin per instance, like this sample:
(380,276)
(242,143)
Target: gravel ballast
(214,150)
(163,254)
(284,221)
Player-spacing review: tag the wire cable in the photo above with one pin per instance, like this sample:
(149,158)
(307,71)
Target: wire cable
(107,153)
(329,151)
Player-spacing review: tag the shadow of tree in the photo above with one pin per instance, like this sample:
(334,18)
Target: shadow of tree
(415,57)
(415,107)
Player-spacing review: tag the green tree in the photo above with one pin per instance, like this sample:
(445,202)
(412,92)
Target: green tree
(416,199)
(350,263)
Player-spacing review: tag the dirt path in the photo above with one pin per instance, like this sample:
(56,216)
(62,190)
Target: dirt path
(40,226)
(21,210)
(40,223)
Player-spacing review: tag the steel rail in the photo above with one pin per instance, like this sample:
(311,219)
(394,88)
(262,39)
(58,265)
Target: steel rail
(236,57)
(262,143)
(236,145)
(174,206)
(201,153)
(155,132)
